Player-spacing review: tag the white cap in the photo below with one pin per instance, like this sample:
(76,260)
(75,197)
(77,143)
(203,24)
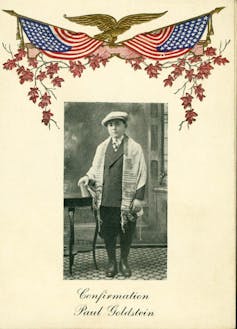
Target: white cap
(113,116)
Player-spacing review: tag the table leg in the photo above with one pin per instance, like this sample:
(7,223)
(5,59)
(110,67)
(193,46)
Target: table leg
(71,212)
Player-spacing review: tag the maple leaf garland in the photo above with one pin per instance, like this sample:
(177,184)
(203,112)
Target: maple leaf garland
(191,68)
(35,73)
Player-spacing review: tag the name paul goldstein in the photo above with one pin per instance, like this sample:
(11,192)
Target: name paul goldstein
(112,304)
(112,310)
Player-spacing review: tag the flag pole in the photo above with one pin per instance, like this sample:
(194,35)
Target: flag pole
(19,33)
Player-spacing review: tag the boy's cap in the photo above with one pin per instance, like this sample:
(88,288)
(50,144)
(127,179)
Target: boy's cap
(113,116)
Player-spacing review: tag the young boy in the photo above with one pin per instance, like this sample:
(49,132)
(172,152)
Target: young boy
(119,173)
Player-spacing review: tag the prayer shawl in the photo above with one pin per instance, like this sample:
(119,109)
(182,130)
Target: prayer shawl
(133,176)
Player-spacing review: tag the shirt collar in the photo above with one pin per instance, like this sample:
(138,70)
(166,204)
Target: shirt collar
(118,140)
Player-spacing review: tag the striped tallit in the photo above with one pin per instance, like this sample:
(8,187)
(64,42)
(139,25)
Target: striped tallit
(133,177)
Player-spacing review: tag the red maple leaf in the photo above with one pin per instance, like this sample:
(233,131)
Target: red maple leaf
(210,51)
(199,75)
(204,70)
(20,69)
(41,76)
(33,62)
(136,66)
(152,71)
(26,75)
(10,64)
(220,60)
(135,63)
(187,100)
(104,61)
(178,70)
(158,65)
(169,81)
(189,75)
(57,81)
(76,68)
(20,54)
(46,117)
(33,93)
(190,116)
(45,100)
(182,61)
(94,61)
(52,69)
(194,59)
(199,92)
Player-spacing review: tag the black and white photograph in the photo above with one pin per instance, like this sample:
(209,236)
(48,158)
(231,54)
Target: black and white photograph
(115,191)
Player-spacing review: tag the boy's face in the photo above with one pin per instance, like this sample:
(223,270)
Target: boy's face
(116,128)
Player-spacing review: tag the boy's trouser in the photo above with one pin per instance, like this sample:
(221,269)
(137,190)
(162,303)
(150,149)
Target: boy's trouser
(111,228)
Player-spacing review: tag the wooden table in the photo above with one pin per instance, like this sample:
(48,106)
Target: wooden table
(72,202)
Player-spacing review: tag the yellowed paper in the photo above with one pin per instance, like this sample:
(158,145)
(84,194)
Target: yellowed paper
(199,291)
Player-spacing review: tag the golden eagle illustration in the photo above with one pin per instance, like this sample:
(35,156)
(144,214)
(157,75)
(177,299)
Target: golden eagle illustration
(110,27)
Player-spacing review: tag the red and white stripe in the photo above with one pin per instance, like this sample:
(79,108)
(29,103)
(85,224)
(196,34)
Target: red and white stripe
(146,44)
(82,45)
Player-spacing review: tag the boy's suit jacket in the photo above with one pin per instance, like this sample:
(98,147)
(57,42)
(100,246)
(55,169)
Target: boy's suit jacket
(112,184)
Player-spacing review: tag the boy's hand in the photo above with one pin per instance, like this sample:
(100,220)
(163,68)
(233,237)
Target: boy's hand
(83,180)
(136,205)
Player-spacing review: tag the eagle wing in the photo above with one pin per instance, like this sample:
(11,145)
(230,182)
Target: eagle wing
(126,22)
(103,22)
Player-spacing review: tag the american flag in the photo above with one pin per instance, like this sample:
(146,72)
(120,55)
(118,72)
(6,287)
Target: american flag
(171,41)
(58,43)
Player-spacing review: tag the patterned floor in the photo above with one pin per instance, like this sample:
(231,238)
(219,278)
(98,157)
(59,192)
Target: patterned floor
(146,264)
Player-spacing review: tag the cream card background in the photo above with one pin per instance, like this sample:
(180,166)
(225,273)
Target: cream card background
(199,290)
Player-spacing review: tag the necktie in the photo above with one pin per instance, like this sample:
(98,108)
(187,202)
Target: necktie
(115,144)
